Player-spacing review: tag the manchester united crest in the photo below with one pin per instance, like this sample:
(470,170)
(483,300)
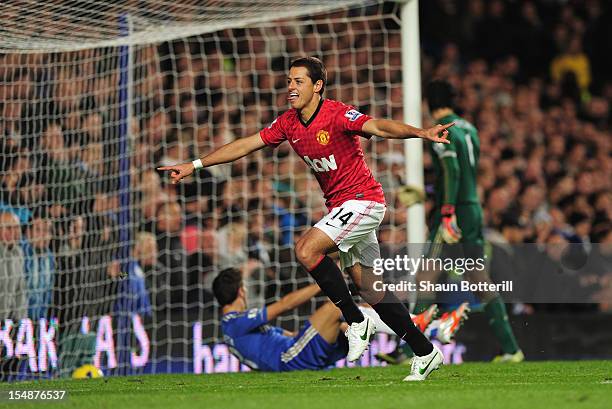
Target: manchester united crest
(323,137)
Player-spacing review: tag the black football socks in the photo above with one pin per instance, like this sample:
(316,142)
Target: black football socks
(330,279)
(395,314)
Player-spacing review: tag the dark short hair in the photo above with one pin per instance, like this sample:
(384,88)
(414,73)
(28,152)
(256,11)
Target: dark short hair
(226,285)
(316,69)
(440,94)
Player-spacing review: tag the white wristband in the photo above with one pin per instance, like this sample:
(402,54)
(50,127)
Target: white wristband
(197,164)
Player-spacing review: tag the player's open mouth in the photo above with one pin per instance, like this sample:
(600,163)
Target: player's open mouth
(293,96)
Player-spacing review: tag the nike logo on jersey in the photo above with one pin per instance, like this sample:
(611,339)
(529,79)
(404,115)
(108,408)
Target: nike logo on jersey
(295,140)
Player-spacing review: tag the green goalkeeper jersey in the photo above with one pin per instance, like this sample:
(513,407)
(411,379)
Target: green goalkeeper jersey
(456,164)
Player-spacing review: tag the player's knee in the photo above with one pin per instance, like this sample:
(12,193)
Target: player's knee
(304,254)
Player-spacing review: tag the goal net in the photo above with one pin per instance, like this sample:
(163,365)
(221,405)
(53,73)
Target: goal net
(102,260)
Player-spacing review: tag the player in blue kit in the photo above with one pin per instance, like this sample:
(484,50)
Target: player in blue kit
(267,348)
(319,344)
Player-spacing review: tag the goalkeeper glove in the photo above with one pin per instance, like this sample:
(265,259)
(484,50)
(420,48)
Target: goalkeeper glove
(449,230)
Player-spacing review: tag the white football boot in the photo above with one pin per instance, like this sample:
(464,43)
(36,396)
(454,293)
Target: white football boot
(422,366)
(358,335)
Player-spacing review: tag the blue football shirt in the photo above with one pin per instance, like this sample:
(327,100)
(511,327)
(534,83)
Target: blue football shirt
(255,342)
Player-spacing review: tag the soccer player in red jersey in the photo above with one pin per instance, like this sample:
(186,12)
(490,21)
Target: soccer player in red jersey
(325,134)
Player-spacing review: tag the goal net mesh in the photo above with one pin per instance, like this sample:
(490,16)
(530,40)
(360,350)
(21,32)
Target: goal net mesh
(102,259)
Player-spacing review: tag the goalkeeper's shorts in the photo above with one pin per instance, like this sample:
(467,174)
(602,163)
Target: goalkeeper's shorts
(310,351)
(352,226)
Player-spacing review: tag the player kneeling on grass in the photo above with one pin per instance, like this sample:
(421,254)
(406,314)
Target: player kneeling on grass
(318,345)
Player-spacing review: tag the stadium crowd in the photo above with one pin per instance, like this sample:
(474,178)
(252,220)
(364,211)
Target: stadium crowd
(527,74)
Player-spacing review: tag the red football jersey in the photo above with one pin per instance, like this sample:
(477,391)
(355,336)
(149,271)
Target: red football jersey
(329,144)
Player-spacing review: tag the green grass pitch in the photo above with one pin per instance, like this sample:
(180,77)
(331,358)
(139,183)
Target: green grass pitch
(557,385)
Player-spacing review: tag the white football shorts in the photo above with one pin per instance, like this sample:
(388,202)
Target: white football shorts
(352,226)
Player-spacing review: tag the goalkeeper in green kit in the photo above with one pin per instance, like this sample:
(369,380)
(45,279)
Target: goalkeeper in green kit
(457,220)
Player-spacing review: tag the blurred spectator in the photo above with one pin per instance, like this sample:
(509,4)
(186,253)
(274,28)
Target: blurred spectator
(493,34)
(16,166)
(151,196)
(40,265)
(575,61)
(196,202)
(67,182)
(10,124)
(532,37)
(31,190)
(13,286)
(72,274)
(234,253)
(14,297)
(133,294)
(146,255)
(172,254)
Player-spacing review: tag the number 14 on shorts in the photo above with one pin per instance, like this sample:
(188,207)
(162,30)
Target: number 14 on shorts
(354,221)
(339,218)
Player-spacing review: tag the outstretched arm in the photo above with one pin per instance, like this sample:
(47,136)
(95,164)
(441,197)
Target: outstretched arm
(227,153)
(390,129)
(292,300)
